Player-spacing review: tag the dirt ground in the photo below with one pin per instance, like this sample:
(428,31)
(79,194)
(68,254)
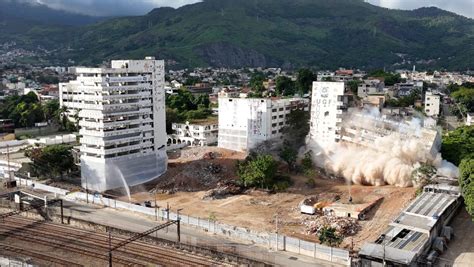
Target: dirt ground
(460,251)
(256,209)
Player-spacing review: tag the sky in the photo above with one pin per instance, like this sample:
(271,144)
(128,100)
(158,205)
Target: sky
(140,7)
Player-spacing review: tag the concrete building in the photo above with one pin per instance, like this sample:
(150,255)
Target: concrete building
(330,123)
(432,104)
(370,87)
(246,122)
(365,129)
(409,240)
(326,113)
(122,121)
(195,133)
(470,119)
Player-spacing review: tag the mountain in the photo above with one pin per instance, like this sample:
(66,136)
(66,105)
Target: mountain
(286,33)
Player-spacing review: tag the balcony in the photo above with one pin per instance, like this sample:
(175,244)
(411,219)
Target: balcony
(110,151)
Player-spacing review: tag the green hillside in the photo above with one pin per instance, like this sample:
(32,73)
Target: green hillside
(288,33)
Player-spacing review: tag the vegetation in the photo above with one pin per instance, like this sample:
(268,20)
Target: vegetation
(423,174)
(328,236)
(354,86)
(389,78)
(464,97)
(52,160)
(256,82)
(263,33)
(289,155)
(285,86)
(184,106)
(307,164)
(404,101)
(458,144)
(304,80)
(297,128)
(261,171)
(458,148)
(26,110)
(466,182)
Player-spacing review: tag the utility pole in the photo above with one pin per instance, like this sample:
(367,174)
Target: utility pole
(8,165)
(276,226)
(87,191)
(110,247)
(156,208)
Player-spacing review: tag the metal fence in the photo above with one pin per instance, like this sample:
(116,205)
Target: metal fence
(270,240)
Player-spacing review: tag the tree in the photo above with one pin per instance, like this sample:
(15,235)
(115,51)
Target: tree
(258,171)
(297,128)
(465,98)
(285,86)
(289,155)
(328,236)
(466,182)
(256,82)
(52,160)
(389,78)
(354,86)
(304,80)
(458,144)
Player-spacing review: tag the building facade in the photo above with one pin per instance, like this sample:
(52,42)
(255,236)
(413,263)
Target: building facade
(121,114)
(432,104)
(196,133)
(246,122)
(327,105)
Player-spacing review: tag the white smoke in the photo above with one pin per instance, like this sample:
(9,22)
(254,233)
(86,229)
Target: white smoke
(388,154)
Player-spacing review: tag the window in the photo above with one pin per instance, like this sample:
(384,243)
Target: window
(274,110)
(274,125)
(281,109)
(281,116)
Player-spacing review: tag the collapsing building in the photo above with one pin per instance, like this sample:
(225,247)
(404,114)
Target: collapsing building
(246,122)
(366,147)
(121,114)
(419,234)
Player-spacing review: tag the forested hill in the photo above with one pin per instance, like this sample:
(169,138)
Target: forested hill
(286,33)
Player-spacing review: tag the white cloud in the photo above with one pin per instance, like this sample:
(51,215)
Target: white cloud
(110,7)
(139,7)
(462,7)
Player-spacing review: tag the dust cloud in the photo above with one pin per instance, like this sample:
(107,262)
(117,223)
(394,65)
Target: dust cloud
(388,157)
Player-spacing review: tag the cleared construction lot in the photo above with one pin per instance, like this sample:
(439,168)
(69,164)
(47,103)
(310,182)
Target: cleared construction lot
(195,171)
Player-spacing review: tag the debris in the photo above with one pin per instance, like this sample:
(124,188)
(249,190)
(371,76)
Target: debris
(223,191)
(344,226)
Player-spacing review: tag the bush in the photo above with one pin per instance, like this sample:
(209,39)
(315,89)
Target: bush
(311,183)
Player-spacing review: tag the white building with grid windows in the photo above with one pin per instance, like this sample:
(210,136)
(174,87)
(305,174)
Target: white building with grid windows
(326,113)
(246,122)
(122,122)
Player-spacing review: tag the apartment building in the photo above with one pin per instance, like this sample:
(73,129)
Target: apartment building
(327,106)
(195,133)
(432,104)
(370,87)
(122,122)
(246,122)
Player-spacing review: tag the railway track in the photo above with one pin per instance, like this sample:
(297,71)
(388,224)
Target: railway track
(95,245)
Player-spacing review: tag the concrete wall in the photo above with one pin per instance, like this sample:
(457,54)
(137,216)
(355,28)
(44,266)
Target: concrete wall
(270,240)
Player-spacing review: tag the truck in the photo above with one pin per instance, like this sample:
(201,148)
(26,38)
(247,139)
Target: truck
(306,209)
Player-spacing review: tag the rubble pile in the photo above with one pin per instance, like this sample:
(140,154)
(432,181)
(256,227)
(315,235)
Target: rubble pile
(344,226)
(223,191)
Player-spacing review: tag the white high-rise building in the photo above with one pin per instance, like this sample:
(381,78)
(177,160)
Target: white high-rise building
(432,104)
(326,113)
(246,122)
(122,119)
